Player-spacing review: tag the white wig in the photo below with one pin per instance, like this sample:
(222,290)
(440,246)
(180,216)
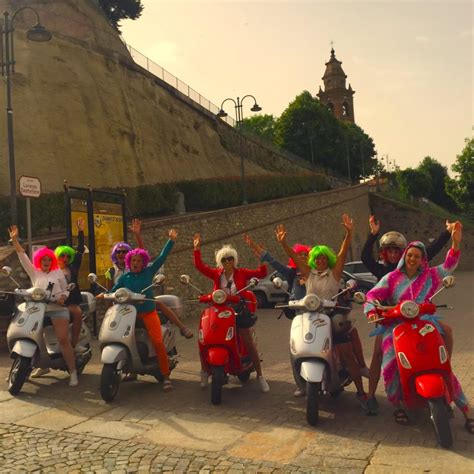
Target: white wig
(226,251)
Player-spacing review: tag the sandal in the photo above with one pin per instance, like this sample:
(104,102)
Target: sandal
(187,333)
(469,425)
(167,385)
(401,417)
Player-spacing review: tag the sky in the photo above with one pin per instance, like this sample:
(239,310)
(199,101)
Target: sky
(410,62)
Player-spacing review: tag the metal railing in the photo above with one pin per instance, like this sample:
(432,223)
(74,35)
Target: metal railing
(174,81)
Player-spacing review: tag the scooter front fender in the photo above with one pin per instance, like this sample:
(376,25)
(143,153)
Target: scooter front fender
(430,386)
(24,348)
(312,370)
(218,356)
(113,353)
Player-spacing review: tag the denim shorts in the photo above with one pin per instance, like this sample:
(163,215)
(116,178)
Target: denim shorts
(59,314)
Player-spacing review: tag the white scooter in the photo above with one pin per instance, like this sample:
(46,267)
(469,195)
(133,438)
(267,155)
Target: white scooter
(312,352)
(124,342)
(31,339)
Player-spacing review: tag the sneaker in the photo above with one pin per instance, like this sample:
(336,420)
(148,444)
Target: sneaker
(204,379)
(263,384)
(73,382)
(298,393)
(364,372)
(167,386)
(362,399)
(78,349)
(39,372)
(372,406)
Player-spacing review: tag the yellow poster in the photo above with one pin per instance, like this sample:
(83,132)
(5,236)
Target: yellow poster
(108,230)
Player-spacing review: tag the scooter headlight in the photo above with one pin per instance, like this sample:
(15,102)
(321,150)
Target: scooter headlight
(122,295)
(409,309)
(311,302)
(38,294)
(219,296)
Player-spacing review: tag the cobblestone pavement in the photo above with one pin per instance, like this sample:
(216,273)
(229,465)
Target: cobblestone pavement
(51,427)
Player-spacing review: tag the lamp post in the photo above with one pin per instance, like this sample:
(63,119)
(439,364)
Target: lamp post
(39,34)
(240,117)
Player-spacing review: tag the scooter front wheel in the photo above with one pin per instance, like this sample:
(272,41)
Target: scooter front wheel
(19,372)
(312,402)
(440,419)
(216,385)
(109,382)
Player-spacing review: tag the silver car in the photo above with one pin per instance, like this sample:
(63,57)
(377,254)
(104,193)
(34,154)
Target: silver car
(358,269)
(267,294)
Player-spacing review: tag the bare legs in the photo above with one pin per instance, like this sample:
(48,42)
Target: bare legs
(61,328)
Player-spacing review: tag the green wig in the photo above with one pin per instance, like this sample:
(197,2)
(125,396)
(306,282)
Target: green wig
(65,249)
(318,250)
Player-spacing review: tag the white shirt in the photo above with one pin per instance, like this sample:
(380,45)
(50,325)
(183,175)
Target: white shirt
(225,282)
(43,280)
(322,284)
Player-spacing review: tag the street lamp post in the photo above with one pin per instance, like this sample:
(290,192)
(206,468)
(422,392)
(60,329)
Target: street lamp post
(240,117)
(313,166)
(39,34)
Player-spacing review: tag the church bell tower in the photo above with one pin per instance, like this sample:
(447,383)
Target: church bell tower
(335,95)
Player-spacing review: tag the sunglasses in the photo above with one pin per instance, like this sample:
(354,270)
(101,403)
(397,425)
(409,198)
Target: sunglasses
(227,259)
(121,251)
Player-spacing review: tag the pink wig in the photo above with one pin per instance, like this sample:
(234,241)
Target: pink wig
(297,248)
(141,253)
(45,252)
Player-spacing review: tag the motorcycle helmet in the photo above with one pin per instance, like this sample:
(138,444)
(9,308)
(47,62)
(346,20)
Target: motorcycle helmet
(393,239)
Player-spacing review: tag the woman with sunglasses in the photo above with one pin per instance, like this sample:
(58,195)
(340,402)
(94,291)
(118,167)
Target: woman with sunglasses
(44,273)
(227,276)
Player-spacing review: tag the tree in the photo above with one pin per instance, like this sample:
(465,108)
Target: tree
(461,189)
(117,10)
(414,183)
(310,130)
(438,174)
(260,125)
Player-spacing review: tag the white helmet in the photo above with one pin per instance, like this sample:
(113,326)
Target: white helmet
(393,239)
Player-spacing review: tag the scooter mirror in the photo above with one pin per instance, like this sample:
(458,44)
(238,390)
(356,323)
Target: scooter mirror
(253,282)
(5,271)
(92,278)
(185,279)
(158,279)
(351,284)
(359,297)
(448,281)
(277,282)
(70,286)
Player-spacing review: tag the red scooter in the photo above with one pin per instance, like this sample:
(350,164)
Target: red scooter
(423,361)
(221,350)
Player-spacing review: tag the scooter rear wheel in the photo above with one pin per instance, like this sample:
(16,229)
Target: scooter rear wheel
(312,402)
(216,385)
(19,372)
(440,419)
(109,382)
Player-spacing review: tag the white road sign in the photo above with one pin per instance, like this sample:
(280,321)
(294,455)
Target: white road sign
(28,186)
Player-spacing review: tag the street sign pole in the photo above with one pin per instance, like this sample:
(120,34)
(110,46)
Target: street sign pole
(29,187)
(28,227)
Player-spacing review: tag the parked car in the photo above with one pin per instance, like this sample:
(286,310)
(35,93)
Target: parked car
(268,295)
(358,269)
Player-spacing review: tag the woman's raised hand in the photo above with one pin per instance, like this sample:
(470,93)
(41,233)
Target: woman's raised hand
(347,222)
(173,234)
(136,226)
(197,241)
(280,233)
(81,224)
(374,225)
(456,233)
(13,232)
(258,249)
